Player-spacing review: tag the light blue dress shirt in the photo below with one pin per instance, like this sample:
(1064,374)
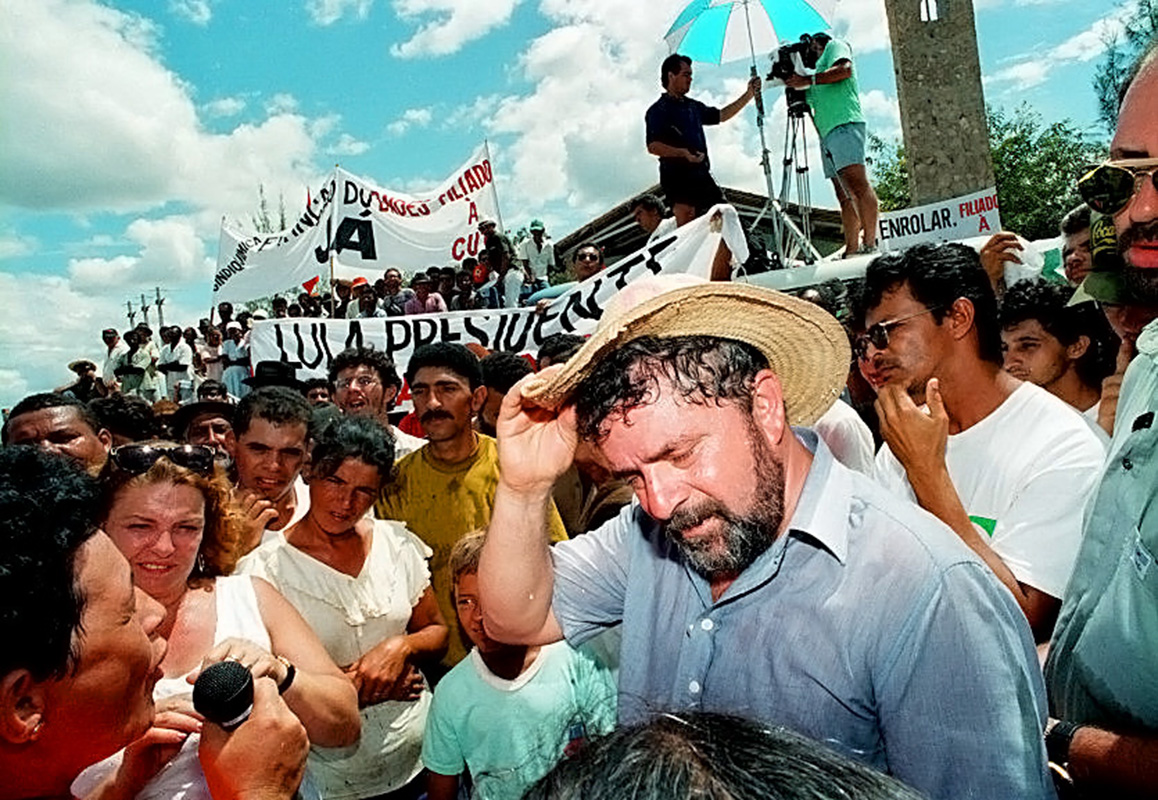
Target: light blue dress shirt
(870,626)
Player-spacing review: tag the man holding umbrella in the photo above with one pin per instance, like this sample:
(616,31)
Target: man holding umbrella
(675,135)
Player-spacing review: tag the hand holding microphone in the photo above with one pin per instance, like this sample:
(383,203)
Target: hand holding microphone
(252,747)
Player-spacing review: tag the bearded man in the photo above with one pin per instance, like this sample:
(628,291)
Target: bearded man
(756,575)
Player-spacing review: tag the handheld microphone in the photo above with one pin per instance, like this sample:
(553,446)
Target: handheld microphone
(223,694)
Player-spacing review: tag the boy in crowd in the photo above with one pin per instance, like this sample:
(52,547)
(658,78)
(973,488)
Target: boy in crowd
(508,713)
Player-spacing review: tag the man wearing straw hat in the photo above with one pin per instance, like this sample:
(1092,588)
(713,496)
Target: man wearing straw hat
(756,575)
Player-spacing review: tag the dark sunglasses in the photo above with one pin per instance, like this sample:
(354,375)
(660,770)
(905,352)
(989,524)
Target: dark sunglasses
(139,458)
(1109,187)
(587,257)
(878,335)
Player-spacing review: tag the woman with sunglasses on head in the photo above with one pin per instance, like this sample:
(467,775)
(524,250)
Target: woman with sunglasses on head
(364,586)
(167,509)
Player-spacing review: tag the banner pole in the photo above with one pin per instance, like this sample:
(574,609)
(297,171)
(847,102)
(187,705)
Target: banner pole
(498,207)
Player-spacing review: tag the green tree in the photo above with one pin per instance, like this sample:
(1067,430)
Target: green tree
(1138,30)
(262,221)
(1035,165)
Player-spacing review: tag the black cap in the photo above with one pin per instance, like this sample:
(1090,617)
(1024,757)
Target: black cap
(274,373)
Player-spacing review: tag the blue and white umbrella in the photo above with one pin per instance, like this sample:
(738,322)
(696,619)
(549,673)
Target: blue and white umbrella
(717,31)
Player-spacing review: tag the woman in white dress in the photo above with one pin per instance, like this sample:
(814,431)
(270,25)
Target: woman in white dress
(364,586)
(167,509)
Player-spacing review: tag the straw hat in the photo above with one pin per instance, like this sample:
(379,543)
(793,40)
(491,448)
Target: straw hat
(805,346)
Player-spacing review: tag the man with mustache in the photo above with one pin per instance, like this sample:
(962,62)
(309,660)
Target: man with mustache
(756,575)
(446,489)
(1106,705)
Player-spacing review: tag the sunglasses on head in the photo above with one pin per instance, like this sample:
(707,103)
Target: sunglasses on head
(878,335)
(139,458)
(1109,187)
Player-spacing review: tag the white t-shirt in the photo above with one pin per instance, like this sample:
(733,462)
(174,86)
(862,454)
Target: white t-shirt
(512,286)
(540,260)
(847,436)
(1024,475)
(404,443)
(1090,415)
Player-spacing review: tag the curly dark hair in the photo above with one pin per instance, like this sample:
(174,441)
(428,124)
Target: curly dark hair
(701,369)
(224,521)
(937,275)
(558,347)
(361,438)
(1076,220)
(275,404)
(43,400)
(366,356)
(125,417)
(1047,303)
(317,383)
(48,510)
(453,357)
(501,371)
(698,754)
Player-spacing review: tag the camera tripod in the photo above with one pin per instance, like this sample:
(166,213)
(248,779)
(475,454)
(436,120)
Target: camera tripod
(790,242)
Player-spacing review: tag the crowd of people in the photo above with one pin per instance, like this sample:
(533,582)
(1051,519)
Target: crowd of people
(888,539)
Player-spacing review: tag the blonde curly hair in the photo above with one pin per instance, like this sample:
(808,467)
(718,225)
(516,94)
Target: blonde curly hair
(221,539)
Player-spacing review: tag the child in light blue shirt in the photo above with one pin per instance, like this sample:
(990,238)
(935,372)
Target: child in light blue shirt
(506,714)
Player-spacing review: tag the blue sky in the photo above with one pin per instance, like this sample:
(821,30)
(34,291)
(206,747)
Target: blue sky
(132,127)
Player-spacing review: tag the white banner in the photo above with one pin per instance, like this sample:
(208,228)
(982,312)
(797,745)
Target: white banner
(252,266)
(366,228)
(960,218)
(378,228)
(311,344)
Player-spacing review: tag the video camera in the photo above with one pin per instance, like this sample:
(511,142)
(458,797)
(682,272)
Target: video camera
(793,59)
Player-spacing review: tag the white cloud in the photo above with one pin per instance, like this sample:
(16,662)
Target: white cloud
(327,12)
(410,118)
(198,12)
(446,25)
(281,103)
(347,145)
(14,246)
(171,253)
(104,125)
(225,107)
(882,112)
(1087,45)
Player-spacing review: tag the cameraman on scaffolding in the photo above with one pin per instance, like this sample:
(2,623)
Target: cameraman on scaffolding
(833,93)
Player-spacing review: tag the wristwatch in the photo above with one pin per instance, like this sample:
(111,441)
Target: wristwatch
(290,673)
(1059,735)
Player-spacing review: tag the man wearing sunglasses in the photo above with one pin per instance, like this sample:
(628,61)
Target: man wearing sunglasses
(1099,668)
(1004,463)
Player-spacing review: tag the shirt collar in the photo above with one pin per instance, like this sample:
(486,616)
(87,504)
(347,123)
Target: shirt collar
(822,510)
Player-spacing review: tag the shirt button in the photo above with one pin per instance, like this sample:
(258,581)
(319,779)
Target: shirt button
(694,687)
(707,624)
(1127,464)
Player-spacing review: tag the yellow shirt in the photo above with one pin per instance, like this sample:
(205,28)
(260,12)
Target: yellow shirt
(443,502)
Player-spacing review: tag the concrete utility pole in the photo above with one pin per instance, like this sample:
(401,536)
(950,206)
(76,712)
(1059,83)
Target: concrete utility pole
(941,98)
(144,310)
(160,310)
(131,314)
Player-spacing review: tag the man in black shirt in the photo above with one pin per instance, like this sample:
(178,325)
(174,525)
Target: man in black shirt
(675,134)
